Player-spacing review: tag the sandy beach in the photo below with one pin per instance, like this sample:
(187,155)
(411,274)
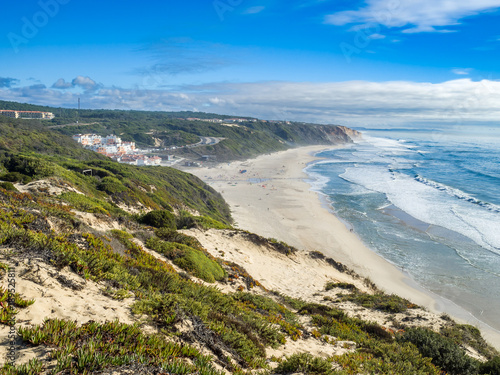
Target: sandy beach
(269,196)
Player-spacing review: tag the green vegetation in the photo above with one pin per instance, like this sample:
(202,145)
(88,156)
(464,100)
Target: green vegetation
(111,185)
(468,335)
(443,351)
(224,323)
(94,346)
(187,221)
(189,259)
(380,301)
(88,204)
(492,367)
(159,219)
(8,303)
(386,358)
(31,136)
(7,186)
(171,235)
(331,285)
(31,152)
(305,363)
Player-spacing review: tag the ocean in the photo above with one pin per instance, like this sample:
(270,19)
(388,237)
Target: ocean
(428,201)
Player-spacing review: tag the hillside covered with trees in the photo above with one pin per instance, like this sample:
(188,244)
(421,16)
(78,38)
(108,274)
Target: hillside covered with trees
(159,130)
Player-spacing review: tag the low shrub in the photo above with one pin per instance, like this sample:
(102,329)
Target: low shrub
(380,301)
(187,221)
(294,303)
(171,235)
(206,222)
(30,166)
(88,204)
(111,185)
(331,285)
(8,186)
(265,305)
(444,352)
(469,335)
(492,367)
(200,265)
(189,259)
(306,364)
(386,358)
(16,177)
(159,219)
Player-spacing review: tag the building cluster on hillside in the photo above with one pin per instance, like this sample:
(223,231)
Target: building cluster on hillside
(113,147)
(27,114)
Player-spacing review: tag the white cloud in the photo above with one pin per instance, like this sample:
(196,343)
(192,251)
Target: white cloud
(416,15)
(254,10)
(377,36)
(352,103)
(462,71)
(62,84)
(86,83)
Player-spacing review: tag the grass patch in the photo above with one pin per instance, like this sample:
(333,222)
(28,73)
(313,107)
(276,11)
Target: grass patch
(334,322)
(95,346)
(189,259)
(89,204)
(9,303)
(171,235)
(187,221)
(347,286)
(294,303)
(386,358)
(305,363)
(380,301)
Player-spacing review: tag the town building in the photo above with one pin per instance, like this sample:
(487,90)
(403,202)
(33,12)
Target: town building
(113,147)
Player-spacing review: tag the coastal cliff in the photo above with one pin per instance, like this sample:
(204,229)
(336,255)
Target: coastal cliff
(351,133)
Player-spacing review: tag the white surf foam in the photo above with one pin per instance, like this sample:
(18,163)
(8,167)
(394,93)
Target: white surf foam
(428,203)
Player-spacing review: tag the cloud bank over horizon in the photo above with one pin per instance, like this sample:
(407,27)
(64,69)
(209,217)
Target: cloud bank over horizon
(351,103)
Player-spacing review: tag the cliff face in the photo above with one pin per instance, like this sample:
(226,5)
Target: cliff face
(351,133)
(310,134)
(341,134)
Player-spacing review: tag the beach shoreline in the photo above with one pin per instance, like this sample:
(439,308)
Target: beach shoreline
(270,196)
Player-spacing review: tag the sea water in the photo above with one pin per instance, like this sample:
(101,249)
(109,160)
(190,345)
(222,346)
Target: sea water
(428,201)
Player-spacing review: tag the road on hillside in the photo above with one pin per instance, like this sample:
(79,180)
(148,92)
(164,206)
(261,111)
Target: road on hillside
(206,141)
(68,125)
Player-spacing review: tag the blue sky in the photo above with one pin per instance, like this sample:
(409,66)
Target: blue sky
(373,62)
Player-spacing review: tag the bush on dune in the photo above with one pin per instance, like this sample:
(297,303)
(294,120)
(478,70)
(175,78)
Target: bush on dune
(159,219)
(445,353)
